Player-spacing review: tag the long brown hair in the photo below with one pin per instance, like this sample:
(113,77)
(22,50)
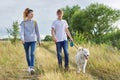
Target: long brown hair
(26,12)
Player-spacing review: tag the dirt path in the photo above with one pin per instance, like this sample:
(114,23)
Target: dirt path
(42,66)
(16,69)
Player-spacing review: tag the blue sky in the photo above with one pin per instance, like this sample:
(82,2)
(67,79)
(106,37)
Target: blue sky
(44,11)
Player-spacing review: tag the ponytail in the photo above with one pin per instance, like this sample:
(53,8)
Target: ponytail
(26,12)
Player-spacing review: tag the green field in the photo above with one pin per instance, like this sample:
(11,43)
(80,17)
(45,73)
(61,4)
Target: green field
(103,64)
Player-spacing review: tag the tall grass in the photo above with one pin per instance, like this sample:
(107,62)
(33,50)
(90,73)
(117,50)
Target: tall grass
(103,64)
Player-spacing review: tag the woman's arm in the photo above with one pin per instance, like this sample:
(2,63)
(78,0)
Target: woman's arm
(37,33)
(22,32)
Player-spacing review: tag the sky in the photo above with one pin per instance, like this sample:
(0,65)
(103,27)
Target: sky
(44,11)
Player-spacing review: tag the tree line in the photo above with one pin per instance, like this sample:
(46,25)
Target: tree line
(95,23)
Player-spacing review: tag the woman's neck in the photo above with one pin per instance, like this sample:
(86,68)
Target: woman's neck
(29,19)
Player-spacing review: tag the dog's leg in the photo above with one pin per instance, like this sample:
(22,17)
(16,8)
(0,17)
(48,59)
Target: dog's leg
(84,66)
(78,68)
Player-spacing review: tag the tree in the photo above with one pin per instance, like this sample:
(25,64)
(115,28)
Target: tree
(48,38)
(113,38)
(13,32)
(101,18)
(68,13)
(94,21)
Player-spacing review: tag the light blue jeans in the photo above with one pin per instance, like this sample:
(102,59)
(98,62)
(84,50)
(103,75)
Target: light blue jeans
(30,50)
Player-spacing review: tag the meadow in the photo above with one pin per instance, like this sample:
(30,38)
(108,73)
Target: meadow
(103,64)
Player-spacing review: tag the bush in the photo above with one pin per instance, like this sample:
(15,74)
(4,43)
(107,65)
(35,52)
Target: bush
(48,38)
(113,38)
(79,38)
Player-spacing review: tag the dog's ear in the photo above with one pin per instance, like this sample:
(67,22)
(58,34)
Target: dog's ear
(80,49)
(88,48)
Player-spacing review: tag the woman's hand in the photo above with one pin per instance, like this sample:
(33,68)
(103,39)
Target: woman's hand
(39,43)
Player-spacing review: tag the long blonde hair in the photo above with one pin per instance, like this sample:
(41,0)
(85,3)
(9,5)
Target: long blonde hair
(26,12)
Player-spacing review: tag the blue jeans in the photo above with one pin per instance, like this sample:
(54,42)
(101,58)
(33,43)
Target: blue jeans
(59,46)
(30,50)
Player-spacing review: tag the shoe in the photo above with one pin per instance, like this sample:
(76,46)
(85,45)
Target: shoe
(60,65)
(32,71)
(29,69)
(66,69)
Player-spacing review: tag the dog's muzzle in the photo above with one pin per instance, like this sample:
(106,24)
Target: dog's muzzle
(86,56)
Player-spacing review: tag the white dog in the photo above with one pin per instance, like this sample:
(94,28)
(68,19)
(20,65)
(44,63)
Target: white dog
(81,59)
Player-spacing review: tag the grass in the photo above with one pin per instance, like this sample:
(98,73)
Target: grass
(103,64)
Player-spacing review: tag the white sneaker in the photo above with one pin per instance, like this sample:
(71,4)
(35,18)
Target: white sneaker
(32,71)
(29,69)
